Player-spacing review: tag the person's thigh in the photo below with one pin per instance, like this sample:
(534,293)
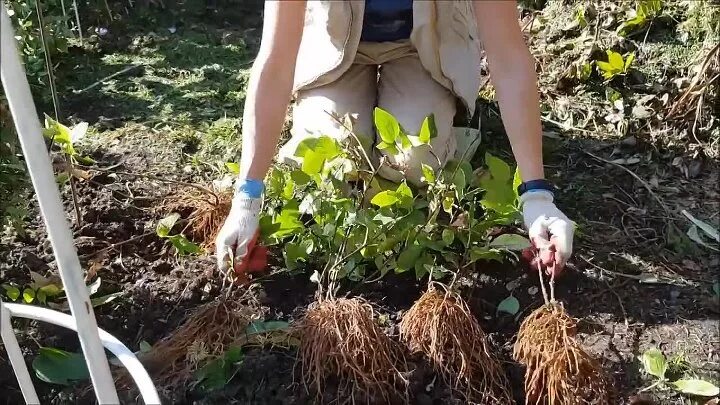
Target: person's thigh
(408,92)
(354,93)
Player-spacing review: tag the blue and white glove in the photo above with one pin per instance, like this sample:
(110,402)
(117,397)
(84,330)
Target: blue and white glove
(550,231)
(239,232)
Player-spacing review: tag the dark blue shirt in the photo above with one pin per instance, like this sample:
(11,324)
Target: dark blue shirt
(387,20)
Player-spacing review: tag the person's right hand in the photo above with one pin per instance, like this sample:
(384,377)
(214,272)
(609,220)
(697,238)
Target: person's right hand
(237,238)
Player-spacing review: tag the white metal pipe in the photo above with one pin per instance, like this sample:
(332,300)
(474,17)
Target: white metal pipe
(27,124)
(16,358)
(125,355)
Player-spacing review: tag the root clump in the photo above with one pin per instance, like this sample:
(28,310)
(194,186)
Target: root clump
(204,336)
(441,326)
(559,371)
(339,340)
(207,213)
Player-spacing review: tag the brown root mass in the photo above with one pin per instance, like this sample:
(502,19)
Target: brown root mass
(204,336)
(559,371)
(208,212)
(441,326)
(340,340)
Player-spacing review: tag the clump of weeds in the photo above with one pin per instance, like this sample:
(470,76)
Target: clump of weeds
(207,211)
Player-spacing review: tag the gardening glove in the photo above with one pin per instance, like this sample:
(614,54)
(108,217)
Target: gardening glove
(236,242)
(550,231)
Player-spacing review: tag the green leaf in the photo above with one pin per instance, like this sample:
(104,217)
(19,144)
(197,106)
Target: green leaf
(233,167)
(50,290)
(628,61)
(654,363)
(407,258)
(28,295)
(387,126)
(296,252)
(499,170)
(716,288)
(300,177)
(96,302)
(517,180)
(615,60)
(448,236)
(696,387)
(145,347)
(56,366)
(217,373)
(509,305)
(404,190)
(312,162)
(447,204)
(327,147)
(385,198)
(428,173)
(41,297)
(266,326)
(428,130)
(287,223)
(166,224)
(707,228)
(483,253)
(12,292)
(184,246)
(510,241)
(390,148)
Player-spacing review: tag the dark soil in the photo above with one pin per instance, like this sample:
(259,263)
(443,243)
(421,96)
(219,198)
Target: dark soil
(631,283)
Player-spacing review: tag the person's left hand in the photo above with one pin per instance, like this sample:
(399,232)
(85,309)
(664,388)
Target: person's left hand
(550,231)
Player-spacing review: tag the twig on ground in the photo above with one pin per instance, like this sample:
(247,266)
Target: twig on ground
(638,178)
(112,76)
(118,244)
(620,302)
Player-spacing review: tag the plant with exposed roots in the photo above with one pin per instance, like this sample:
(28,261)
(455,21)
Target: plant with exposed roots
(441,326)
(558,370)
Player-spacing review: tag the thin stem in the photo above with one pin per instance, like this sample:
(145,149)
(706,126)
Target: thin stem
(542,285)
(352,133)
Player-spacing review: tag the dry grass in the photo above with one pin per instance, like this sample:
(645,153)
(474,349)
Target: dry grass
(340,340)
(559,371)
(204,336)
(440,326)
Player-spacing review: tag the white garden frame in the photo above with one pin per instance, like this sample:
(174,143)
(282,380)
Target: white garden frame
(92,339)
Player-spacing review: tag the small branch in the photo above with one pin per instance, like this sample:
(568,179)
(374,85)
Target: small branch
(638,178)
(352,133)
(151,177)
(112,76)
(116,245)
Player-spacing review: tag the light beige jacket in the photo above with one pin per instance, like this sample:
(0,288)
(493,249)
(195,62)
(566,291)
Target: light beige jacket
(444,34)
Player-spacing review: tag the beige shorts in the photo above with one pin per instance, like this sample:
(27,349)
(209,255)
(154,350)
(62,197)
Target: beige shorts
(390,76)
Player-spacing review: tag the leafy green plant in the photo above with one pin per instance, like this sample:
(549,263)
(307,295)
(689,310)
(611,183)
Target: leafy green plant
(615,66)
(644,13)
(56,366)
(333,212)
(57,34)
(49,291)
(181,244)
(217,373)
(655,364)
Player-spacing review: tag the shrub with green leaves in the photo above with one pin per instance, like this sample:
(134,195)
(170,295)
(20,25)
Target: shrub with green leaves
(332,212)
